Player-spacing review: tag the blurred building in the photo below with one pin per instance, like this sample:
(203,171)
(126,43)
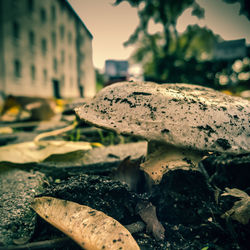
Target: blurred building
(45,50)
(230,50)
(116,70)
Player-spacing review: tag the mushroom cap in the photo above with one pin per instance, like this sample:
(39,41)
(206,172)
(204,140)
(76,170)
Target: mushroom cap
(183,115)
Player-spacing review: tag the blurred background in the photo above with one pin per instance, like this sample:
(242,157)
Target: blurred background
(71,49)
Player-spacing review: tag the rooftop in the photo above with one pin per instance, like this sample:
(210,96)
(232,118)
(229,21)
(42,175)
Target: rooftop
(67,4)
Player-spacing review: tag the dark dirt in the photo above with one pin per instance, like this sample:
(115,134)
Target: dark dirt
(188,205)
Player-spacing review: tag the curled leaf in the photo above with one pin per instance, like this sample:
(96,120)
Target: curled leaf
(29,152)
(6,130)
(90,228)
(148,214)
(241,209)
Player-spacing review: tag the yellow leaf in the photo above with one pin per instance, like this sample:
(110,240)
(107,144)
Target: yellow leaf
(29,152)
(96,144)
(6,130)
(90,228)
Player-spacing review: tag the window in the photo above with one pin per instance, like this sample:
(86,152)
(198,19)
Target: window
(82,73)
(17,68)
(31,38)
(70,37)
(45,76)
(62,56)
(61,6)
(55,64)
(43,15)
(70,17)
(53,12)
(81,39)
(62,32)
(81,57)
(71,82)
(62,81)
(16,30)
(53,36)
(44,46)
(30,5)
(70,61)
(33,72)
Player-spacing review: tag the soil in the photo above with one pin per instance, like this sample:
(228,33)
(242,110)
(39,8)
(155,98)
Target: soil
(188,204)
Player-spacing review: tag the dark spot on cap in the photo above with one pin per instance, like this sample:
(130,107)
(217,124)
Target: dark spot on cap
(49,201)
(131,105)
(117,99)
(65,203)
(174,100)
(187,160)
(202,106)
(236,117)
(208,129)
(92,213)
(165,131)
(103,111)
(141,93)
(223,143)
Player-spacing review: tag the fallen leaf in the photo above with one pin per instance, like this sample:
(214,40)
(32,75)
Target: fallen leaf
(241,209)
(90,228)
(35,107)
(96,144)
(29,152)
(15,114)
(6,130)
(128,172)
(147,212)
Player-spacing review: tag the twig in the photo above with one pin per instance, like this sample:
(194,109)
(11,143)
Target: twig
(39,245)
(55,132)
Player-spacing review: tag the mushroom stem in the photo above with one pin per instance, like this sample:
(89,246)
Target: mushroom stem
(162,158)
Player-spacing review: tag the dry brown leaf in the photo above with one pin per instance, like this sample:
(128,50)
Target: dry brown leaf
(90,228)
(241,209)
(6,130)
(147,211)
(29,152)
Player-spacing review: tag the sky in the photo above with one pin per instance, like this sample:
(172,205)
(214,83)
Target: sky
(112,25)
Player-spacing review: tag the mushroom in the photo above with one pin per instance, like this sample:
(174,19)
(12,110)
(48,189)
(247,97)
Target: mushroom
(181,122)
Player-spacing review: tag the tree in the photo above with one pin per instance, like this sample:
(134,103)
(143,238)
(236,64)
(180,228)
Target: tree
(244,6)
(165,55)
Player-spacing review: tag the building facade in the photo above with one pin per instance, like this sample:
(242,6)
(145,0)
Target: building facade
(45,50)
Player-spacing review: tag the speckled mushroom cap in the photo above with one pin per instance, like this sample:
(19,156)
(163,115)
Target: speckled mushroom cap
(184,115)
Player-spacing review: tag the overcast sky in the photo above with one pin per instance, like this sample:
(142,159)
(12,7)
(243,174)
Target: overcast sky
(111,25)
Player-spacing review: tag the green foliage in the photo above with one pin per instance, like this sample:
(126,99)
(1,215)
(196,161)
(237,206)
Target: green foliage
(75,135)
(169,56)
(107,138)
(205,248)
(99,80)
(244,6)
